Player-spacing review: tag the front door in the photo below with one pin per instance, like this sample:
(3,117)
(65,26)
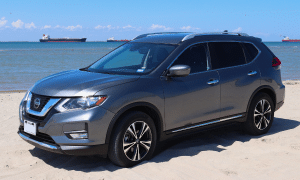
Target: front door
(195,98)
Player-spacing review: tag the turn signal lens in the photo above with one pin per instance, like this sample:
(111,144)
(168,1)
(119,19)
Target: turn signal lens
(100,100)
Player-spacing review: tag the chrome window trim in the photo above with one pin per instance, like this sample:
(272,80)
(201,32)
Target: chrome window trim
(212,122)
(183,51)
(210,65)
(46,108)
(259,52)
(37,142)
(255,48)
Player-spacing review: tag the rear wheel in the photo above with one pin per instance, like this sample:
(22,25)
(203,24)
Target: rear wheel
(133,140)
(260,115)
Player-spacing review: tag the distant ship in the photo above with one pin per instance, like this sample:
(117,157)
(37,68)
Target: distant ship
(112,39)
(287,39)
(46,38)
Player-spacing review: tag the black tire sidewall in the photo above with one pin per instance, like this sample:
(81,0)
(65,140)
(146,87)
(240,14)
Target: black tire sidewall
(250,125)
(116,152)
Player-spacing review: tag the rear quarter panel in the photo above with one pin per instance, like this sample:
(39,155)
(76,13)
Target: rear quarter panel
(270,76)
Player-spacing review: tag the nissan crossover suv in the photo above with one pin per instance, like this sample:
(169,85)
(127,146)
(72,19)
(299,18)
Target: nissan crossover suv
(157,86)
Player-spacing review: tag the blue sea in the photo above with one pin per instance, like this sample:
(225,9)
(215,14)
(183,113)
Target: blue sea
(24,63)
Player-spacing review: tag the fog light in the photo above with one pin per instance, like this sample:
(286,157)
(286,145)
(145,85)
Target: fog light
(77,134)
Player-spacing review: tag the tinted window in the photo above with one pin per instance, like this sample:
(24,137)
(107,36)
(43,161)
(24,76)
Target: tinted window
(195,57)
(133,58)
(250,51)
(226,54)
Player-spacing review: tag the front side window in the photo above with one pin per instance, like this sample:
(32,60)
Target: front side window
(133,58)
(195,57)
(226,54)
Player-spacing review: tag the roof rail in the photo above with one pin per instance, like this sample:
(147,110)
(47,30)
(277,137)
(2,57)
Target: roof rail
(190,36)
(158,33)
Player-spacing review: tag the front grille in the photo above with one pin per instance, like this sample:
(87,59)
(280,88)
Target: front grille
(41,137)
(43,100)
(36,118)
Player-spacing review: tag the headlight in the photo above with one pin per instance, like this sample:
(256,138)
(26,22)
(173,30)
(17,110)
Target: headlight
(79,103)
(22,106)
(26,96)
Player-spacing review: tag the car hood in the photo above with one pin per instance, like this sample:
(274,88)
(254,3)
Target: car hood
(78,83)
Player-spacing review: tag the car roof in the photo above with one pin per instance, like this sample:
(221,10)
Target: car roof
(178,37)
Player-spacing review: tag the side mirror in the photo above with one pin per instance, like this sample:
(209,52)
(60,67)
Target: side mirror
(179,71)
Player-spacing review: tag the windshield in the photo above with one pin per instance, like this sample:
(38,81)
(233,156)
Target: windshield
(133,58)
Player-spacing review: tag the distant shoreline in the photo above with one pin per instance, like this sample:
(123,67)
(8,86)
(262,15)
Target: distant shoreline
(39,41)
(121,41)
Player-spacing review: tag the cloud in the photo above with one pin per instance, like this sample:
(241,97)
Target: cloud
(3,21)
(57,26)
(109,27)
(17,24)
(29,26)
(157,26)
(46,27)
(72,28)
(188,28)
(239,29)
(139,29)
(128,27)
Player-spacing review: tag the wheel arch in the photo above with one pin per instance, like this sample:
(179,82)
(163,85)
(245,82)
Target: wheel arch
(145,107)
(265,89)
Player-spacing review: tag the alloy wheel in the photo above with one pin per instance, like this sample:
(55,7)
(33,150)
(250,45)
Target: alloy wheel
(137,141)
(262,114)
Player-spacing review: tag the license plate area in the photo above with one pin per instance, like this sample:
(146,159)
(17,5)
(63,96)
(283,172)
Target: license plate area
(30,127)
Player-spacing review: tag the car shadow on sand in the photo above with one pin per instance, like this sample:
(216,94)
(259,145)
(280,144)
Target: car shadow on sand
(212,140)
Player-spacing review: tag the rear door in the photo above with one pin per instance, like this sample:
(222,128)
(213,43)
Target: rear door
(239,75)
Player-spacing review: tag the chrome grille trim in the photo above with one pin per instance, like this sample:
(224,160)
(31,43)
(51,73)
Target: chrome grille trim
(45,109)
(37,142)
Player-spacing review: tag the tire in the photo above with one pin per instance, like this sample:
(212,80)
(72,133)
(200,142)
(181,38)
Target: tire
(137,133)
(260,115)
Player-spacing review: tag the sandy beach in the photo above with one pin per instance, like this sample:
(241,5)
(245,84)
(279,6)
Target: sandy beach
(226,153)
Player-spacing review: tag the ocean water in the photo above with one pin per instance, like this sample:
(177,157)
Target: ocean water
(24,63)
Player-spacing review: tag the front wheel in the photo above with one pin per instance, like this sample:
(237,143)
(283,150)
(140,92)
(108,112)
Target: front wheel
(260,114)
(133,140)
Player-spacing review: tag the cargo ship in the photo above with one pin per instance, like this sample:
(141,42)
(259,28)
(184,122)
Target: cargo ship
(46,38)
(112,39)
(287,39)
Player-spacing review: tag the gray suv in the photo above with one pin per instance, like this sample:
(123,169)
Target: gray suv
(155,87)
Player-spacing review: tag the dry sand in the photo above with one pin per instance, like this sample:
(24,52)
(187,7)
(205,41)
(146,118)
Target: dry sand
(219,154)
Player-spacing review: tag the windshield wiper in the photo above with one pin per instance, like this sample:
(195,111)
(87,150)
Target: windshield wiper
(105,72)
(84,69)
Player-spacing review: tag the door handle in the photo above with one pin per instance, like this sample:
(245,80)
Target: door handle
(212,82)
(252,73)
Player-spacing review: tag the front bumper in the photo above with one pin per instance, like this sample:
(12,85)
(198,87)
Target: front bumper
(42,142)
(53,128)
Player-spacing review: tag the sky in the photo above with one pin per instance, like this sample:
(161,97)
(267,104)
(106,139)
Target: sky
(99,20)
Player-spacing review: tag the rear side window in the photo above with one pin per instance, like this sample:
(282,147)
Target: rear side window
(226,54)
(250,51)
